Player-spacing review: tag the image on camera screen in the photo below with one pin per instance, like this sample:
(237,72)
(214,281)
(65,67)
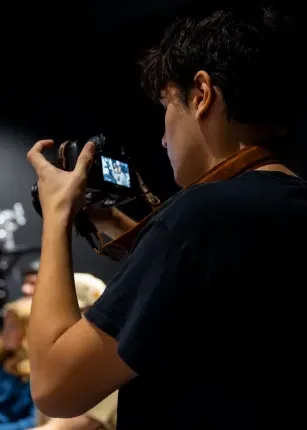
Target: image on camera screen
(116,172)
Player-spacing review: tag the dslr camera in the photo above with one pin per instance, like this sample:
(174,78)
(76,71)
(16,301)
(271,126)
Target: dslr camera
(112,181)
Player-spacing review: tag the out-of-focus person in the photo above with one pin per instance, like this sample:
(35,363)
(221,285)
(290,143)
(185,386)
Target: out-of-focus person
(17,411)
(29,276)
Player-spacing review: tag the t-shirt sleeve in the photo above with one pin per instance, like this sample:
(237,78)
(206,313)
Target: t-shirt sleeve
(138,307)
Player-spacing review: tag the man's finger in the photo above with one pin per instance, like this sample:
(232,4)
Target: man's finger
(35,155)
(85,158)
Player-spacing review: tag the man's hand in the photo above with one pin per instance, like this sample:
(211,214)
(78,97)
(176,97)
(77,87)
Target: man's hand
(60,192)
(111,221)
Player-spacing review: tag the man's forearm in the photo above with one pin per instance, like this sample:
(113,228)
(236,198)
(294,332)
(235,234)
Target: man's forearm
(117,225)
(120,225)
(55,306)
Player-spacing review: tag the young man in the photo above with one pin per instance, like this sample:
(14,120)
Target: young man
(201,327)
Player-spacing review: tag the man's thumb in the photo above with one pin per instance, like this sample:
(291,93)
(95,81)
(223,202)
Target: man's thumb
(86,158)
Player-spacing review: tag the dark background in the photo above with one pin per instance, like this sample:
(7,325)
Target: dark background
(69,71)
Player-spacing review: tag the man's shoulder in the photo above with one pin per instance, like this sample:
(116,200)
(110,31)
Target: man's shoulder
(235,199)
(207,198)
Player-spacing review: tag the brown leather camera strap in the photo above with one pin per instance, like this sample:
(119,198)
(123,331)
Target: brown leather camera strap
(249,158)
(61,154)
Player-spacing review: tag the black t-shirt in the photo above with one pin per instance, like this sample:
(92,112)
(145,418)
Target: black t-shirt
(208,309)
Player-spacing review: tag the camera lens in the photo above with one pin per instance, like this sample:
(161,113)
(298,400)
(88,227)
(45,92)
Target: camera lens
(99,141)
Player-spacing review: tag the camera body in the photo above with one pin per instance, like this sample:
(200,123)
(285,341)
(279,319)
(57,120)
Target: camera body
(112,181)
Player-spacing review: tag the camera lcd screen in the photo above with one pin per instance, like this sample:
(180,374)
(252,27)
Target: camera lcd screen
(116,172)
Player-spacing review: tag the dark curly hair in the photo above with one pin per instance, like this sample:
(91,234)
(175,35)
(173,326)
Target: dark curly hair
(246,51)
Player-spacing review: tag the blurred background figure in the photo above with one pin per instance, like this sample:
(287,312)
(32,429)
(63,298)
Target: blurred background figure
(29,276)
(17,411)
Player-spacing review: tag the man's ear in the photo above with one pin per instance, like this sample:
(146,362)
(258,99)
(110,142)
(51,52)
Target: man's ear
(202,94)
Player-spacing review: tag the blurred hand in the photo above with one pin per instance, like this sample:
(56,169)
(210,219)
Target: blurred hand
(60,192)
